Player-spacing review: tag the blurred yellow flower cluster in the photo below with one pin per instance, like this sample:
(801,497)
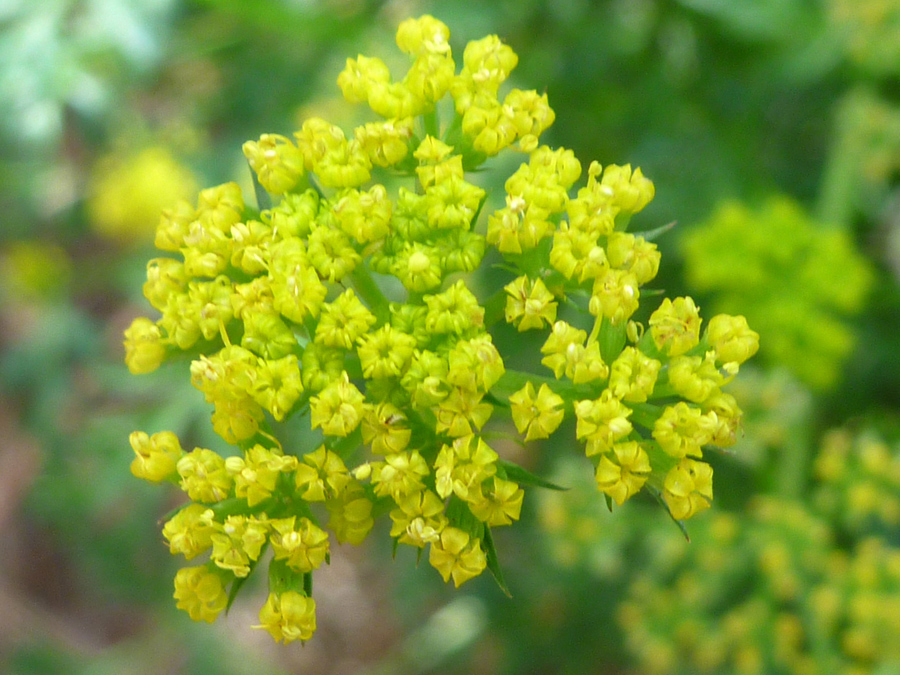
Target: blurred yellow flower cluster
(33,270)
(793,278)
(127,193)
(347,302)
(782,590)
(871,32)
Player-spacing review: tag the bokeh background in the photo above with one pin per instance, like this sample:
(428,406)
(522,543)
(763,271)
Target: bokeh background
(771,129)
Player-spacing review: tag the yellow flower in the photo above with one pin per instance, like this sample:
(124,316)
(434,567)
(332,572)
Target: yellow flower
(453,202)
(418,267)
(529,304)
(567,355)
(418,519)
(475,364)
(455,554)
(288,616)
(731,338)
(200,592)
(157,455)
(203,476)
(633,253)
(321,475)
(256,473)
(278,385)
(456,310)
(632,375)
(344,320)
(675,326)
(536,416)
(297,290)
(330,251)
(386,143)
(602,422)
(385,353)
(327,153)
(350,514)
(385,428)
(696,378)
(277,162)
(623,472)
(338,408)
(219,207)
(460,468)
(348,278)
(615,296)
(519,226)
(189,531)
(144,346)
(237,542)
(361,76)
(400,475)
(684,430)
(687,488)
(631,192)
(460,411)
(423,35)
(500,502)
(301,543)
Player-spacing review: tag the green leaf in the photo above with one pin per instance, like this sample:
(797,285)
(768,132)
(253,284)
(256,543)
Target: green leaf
(662,502)
(611,339)
(282,578)
(652,235)
(233,591)
(263,200)
(522,476)
(493,562)
(239,582)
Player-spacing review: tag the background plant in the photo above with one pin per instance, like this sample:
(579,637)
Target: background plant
(752,106)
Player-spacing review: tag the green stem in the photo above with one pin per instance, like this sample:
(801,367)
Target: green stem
(595,331)
(794,461)
(263,200)
(611,339)
(644,414)
(513,380)
(432,125)
(369,291)
(840,179)
(495,308)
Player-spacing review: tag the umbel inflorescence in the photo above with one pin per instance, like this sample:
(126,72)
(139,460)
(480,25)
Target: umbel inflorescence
(288,315)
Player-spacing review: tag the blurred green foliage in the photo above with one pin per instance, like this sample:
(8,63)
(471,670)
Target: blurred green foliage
(719,101)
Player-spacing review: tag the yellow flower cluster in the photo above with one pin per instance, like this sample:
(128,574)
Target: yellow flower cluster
(772,593)
(859,482)
(869,31)
(288,312)
(126,194)
(776,264)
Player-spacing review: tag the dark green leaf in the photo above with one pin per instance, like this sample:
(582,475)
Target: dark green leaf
(493,562)
(662,502)
(652,235)
(516,473)
(239,582)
